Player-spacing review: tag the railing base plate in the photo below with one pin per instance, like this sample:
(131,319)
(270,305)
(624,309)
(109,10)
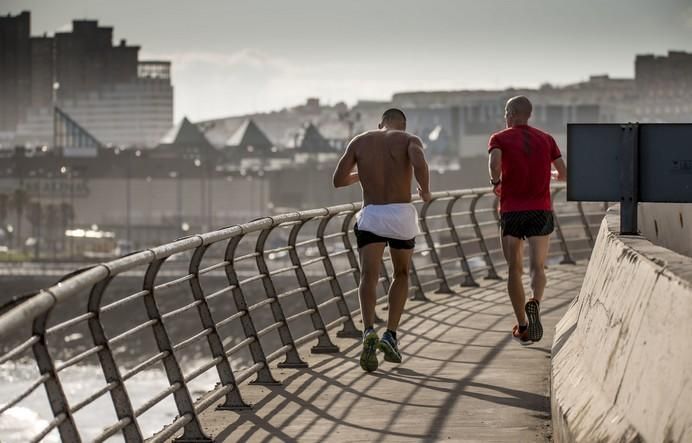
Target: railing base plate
(297,365)
(243,407)
(324,349)
(350,334)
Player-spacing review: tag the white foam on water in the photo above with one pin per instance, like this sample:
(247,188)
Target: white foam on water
(31,415)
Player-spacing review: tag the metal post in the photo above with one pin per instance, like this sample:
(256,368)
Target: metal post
(468,278)
(183,400)
(264,375)
(293,360)
(56,396)
(629,179)
(352,259)
(74,210)
(233,400)
(179,200)
(37,250)
(439,273)
(324,343)
(419,293)
(567,257)
(349,328)
(585,221)
(119,396)
(128,203)
(492,272)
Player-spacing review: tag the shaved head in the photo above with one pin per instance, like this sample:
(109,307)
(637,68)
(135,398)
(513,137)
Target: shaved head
(393,118)
(518,110)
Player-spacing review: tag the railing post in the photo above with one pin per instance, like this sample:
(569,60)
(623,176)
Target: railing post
(183,400)
(292,360)
(439,272)
(352,259)
(119,396)
(468,279)
(56,395)
(264,375)
(567,257)
(419,293)
(233,400)
(585,221)
(349,328)
(492,272)
(324,343)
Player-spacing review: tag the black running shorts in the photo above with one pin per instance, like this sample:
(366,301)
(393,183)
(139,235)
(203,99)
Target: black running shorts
(364,238)
(523,224)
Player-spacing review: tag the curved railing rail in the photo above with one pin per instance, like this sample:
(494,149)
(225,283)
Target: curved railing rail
(225,304)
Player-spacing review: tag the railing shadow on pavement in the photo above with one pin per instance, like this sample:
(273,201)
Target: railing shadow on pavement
(253,294)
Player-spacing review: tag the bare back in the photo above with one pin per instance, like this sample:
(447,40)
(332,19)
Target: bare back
(384,166)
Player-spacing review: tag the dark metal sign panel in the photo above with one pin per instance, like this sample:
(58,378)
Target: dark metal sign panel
(665,163)
(593,158)
(597,153)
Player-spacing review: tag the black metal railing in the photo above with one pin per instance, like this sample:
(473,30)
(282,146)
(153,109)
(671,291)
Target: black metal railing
(228,303)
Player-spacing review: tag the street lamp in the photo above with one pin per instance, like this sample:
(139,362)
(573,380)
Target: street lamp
(178,198)
(68,172)
(54,102)
(202,194)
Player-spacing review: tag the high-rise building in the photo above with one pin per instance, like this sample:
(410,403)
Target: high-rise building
(104,87)
(15,69)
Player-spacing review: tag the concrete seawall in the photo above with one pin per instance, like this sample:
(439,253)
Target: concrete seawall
(622,355)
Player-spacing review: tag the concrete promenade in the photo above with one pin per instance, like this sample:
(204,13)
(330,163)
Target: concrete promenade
(463,379)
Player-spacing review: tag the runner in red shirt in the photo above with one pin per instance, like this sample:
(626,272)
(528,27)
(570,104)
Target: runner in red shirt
(520,171)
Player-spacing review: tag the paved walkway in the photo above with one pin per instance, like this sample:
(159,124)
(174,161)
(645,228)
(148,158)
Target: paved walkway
(463,379)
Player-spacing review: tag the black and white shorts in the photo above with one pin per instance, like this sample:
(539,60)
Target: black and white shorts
(364,238)
(523,224)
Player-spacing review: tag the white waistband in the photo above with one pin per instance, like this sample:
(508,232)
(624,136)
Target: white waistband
(393,220)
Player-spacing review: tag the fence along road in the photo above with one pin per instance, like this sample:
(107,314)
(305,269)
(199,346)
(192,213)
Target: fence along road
(287,281)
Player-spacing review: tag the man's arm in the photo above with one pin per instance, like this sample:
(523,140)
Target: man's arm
(559,164)
(420,167)
(495,165)
(344,174)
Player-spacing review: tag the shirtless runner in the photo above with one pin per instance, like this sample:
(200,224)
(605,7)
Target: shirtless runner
(386,160)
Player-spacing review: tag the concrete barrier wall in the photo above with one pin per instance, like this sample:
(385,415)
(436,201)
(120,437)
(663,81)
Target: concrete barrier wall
(622,356)
(668,225)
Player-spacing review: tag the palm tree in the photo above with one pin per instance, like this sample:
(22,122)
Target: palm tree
(19,201)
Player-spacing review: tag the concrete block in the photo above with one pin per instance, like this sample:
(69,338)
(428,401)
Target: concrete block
(622,355)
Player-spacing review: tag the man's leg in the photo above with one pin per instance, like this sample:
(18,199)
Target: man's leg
(370,261)
(538,251)
(398,294)
(512,248)
(398,291)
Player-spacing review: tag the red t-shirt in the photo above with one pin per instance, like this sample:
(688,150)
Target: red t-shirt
(527,154)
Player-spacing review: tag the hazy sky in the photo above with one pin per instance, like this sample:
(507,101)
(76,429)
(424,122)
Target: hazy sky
(231,57)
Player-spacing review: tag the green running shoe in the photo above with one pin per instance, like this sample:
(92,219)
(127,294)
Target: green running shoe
(368,356)
(389,347)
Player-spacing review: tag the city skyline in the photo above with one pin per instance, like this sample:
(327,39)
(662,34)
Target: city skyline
(231,66)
